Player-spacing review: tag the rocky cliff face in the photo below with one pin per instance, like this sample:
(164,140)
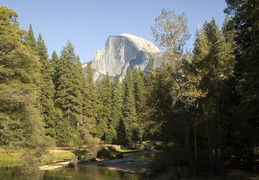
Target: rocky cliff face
(123,52)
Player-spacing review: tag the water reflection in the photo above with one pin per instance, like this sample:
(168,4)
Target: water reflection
(81,172)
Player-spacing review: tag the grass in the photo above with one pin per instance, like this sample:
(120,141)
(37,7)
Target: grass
(61,154)
(10,159)
(53,156)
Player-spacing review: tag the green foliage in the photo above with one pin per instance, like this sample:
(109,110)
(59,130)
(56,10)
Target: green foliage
(30,40)
(55,64)
(47,90)
(105,128)
(109,152)
(129,106)
(121,133)
(140,103)
(69,97)
(111,135)
(171,32)
(243,24)
(90,106)
(21,121)
(90,93)
(210,71)
(185,103)
(117,99)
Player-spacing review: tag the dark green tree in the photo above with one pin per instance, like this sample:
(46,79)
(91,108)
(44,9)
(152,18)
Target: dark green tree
(90,108)
(105,128)
(69,97)
(54,64)
(140,102)
(47,89)
(116,116)
(129,108)
(244,22)
(211,67)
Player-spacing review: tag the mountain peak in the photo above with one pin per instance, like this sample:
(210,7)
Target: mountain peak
(141,43)
(123,52)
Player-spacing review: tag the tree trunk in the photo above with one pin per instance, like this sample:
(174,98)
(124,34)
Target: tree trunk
(195,146)
(186,127)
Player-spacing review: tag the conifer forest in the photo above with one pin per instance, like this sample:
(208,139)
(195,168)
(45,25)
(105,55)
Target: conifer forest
(201,106)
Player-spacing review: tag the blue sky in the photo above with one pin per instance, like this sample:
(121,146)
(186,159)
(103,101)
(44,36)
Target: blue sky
(88,23)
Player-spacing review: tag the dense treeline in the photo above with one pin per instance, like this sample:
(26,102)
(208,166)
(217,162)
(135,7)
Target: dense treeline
(203,106)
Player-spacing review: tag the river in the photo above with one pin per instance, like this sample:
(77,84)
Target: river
(80,172)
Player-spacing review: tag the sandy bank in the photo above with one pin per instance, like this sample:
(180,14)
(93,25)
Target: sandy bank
(131,162)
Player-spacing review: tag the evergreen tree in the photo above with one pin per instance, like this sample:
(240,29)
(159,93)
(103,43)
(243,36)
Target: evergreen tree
(244,23)
(129,108)
(55,64)
(140,101)
(47,89)
(30,40)
(150,83)
(116,116)
(105,129)
(91,94)
(212,65)
(88,126)
(161,105)
(69,98)
(21,124)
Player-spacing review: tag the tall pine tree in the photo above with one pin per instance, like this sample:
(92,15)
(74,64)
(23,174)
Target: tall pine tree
(116,116)
(129,108)
(88,126)
(140,102)
(212,65)
(69,98)
(243,22)
(47,89)
(105,129)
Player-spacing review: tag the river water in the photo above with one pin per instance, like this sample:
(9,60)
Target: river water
(80,172)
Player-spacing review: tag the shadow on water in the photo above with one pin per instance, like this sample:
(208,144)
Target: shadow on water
(80,172)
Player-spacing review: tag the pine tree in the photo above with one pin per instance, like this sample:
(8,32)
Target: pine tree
(116,115)
(30,40)
(150,83)
(69,98)
(47,89)
(91,94)
(117,95)
(140,101)
(129,108)
(212,66)
(88,126)
(21,122)
(55,64)
(105,129)
(244,23)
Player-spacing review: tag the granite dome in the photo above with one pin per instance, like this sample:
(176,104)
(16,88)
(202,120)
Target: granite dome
(123,52)
(141,43)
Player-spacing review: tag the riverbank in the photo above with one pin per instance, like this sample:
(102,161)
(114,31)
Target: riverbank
(130,163)
(10,158)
